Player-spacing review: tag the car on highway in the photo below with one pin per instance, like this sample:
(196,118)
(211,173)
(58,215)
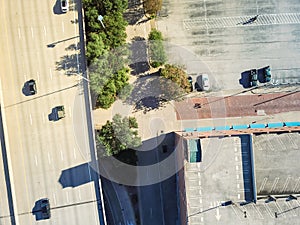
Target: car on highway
(59,112)
(253,77)
(31,87)
(267,73)
(45,208)
(203,83)
(64,5)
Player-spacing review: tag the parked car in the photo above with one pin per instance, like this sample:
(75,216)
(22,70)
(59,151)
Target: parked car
(267,73)
(190,79)
(45,208)
(205,84)
(253,77)
(31,87)
(64,5)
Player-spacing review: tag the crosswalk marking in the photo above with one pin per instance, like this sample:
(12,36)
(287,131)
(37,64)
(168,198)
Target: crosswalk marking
(223,22)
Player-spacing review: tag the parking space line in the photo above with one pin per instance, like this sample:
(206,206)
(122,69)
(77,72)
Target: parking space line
(30,118)
(286,184)
(258,212)
(263,184)
(235,212)
(268,210)
(274,184)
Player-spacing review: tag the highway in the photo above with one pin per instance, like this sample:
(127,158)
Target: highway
(38,42)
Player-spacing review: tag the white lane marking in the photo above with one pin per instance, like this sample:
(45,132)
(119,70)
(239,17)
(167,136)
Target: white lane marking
(35,158)
(51,76)
(43,118)
(31,31)
(63,27)
(74,152)
(79,194)
(19,32)
(38,75)
(30,119)
(49,158)
(61,155)
(25,77)
(70,111)
(45,31)
(54,198)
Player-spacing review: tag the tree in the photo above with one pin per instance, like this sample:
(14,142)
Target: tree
(152,6)
(157,52)
(118,135)
(176,82)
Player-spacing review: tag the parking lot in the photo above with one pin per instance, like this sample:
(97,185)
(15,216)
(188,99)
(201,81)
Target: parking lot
(220,42)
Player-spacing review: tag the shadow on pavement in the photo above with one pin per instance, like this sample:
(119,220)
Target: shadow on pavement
(76,176)
(6,173)
(139,58)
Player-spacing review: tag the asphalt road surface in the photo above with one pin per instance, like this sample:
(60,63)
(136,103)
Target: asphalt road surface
(46,159)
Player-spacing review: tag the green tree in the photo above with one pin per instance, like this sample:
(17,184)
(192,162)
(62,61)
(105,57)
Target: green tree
(157,52)
(175,83)
(118,135)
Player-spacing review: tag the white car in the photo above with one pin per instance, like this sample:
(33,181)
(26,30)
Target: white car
(64,5)
(203,82)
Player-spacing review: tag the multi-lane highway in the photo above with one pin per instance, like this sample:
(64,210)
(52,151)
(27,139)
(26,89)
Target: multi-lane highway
(45,159)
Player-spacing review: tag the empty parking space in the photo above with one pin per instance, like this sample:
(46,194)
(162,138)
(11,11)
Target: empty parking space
(228,45)
(276,164)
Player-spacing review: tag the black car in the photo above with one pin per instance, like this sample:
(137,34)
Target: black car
(45,208)
(253,77)
(32,87)
(190,79)
(267,73)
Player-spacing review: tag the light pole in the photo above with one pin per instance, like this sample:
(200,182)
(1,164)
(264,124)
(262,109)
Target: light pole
(100,18)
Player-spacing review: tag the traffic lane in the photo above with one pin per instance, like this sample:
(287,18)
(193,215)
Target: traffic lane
(26,129)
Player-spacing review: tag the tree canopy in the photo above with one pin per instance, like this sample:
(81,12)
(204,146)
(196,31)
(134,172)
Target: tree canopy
(118,135)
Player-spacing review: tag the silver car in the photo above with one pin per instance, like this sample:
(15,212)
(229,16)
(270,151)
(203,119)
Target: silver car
(203,82)
(64,5)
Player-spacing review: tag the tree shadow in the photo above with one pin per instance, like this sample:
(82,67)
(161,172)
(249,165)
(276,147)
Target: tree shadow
(152,92)
(139,57)
(134,12)
(70,63)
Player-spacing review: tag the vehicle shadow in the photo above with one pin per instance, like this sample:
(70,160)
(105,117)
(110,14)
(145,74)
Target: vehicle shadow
(57,8)
(25,89)
(37,211)
(244,81)
(134,12)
